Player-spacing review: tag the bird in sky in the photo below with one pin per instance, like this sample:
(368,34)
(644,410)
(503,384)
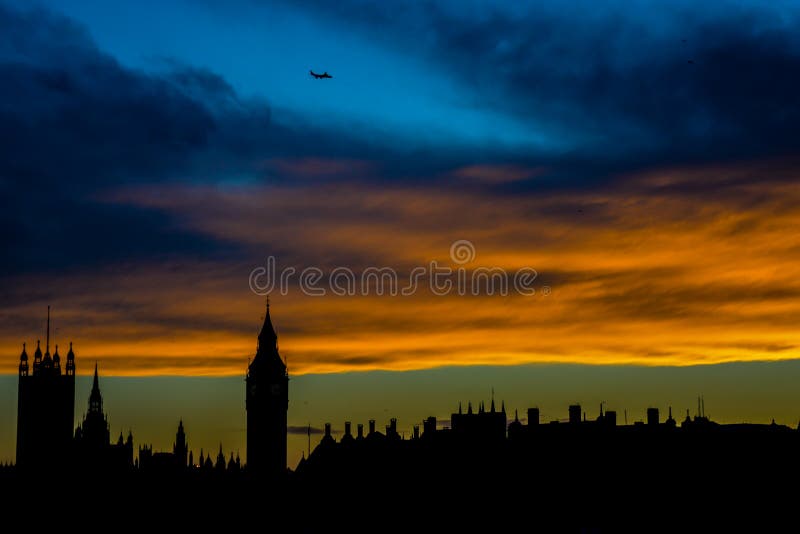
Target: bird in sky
(319,76)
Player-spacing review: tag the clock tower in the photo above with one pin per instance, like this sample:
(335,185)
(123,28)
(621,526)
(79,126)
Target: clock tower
(267,404)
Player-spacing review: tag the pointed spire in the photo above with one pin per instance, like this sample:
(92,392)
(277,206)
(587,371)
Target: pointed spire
(267,339)
(502,406)
(459,407)
(95,398)
(23,357)
(469,407)
(516,415)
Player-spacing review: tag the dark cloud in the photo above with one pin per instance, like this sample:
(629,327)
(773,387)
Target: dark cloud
(630,84)
(72,123)
(617,86)
(75,124)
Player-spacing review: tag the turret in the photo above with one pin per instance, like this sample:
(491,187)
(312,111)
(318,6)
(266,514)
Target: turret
(70,361)
(57,361)
(37,357)
(23,362)
(220,465)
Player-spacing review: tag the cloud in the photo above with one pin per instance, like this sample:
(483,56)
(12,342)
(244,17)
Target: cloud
(636,82)
(649,272)
(495,174)
(75,124)
(138,203)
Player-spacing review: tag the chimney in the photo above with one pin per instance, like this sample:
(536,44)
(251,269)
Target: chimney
(372,426)
(416,431)
(327,430)
(347,428)
(652,416)
(533,416)
(575,413)
(360,428)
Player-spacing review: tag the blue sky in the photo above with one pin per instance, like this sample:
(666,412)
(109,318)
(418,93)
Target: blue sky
(265,50)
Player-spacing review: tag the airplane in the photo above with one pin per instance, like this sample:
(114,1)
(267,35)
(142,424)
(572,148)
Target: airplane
(319,76)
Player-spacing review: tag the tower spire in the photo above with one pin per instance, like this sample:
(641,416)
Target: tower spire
(47,346)
(267,339)
(95,398)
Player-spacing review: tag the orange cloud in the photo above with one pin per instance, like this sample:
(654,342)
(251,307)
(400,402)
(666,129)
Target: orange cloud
(644,272)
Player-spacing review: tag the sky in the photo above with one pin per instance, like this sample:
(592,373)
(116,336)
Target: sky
(640,157)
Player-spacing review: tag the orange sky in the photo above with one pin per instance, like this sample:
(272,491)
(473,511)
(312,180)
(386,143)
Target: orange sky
(645,271)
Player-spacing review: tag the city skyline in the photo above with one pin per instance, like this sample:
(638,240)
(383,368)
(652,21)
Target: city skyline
(221,404)
(263,227)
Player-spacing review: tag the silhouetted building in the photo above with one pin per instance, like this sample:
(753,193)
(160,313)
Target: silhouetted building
(45,407)
(610,418)
(670,422)
(163,461)
(483,425)
(93,447)
(267,404)
(180,449)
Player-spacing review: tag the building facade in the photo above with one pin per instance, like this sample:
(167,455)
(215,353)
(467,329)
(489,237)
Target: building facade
(45,407)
